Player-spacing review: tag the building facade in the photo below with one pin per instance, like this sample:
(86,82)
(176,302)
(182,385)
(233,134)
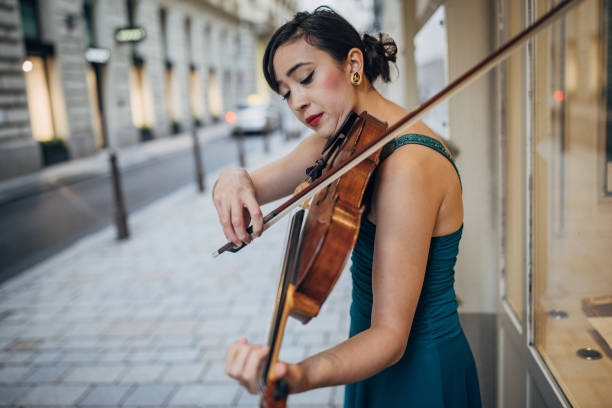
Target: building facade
(77,77)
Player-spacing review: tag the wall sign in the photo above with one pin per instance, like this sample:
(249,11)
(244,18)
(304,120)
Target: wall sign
(130,34)
(97,55)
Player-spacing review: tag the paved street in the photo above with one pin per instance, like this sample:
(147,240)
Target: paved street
(146,322)
(44,212)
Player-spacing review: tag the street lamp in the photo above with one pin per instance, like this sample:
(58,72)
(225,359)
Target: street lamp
(27,66)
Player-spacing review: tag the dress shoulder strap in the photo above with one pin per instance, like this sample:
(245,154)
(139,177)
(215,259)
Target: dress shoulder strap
(416,138)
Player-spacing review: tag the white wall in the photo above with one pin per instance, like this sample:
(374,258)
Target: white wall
(398,21)
(471,116)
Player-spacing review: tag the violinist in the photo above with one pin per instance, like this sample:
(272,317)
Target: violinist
(406,347)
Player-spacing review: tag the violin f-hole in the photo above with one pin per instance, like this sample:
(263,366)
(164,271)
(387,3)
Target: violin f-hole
(324,196)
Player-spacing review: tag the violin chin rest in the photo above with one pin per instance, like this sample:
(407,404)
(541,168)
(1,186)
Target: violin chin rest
(301,316)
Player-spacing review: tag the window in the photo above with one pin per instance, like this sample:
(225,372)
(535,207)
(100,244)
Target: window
(163,33)
(572,215)
(88,13)
(188,46)
(430,57)
(29,20)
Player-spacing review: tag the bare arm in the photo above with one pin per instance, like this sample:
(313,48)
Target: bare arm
(398,272)
(279,178)
(238,195)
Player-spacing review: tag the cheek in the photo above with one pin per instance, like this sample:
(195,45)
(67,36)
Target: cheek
(332,80)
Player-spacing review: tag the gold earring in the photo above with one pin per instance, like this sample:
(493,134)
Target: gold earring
(355,78)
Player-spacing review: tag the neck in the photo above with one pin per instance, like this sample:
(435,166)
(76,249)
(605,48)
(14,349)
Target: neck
(370,100)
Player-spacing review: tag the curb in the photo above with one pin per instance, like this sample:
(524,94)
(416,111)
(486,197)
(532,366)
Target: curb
(139,218)
(96,165)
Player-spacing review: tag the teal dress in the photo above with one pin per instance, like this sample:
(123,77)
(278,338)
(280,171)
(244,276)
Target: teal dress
(437,368)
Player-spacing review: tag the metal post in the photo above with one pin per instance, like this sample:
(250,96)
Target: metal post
(199,169)
(240,145)
(119,206)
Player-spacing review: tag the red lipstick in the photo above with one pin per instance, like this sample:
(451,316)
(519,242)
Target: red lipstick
(313,120)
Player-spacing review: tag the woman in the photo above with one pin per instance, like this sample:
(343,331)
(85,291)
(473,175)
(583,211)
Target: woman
(406,346)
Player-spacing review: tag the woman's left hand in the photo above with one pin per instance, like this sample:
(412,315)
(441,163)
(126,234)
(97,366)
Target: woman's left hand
(243,362)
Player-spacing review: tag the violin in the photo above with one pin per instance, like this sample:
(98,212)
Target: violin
(315,258)
(316,253)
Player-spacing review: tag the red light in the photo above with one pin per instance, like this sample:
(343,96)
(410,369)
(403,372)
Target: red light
(230,117)
(558,96)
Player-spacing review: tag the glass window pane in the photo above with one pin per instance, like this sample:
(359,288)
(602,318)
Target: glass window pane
(88,19)
(29,20)
(572,214)
(430,56)
(39,103)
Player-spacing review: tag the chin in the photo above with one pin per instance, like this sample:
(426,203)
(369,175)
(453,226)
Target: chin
(326,133)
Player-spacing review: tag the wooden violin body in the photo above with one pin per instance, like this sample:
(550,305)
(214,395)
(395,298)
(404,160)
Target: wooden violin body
(314,261)
(333,220)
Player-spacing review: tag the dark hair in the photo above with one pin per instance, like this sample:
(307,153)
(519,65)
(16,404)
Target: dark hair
(328,31)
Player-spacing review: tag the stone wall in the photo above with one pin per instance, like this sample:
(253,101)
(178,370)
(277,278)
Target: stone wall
(222,37)
(73,121)
(110,15)
(19,153)
(147,15)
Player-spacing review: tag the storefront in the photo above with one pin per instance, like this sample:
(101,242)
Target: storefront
(555,314)
(44,93)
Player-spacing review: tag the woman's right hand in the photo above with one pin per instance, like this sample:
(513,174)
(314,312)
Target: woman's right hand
(234,198)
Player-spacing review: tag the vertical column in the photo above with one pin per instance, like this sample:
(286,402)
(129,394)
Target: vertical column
(406,62)
(398,19)
(111,14)
(470,113)
(67,75)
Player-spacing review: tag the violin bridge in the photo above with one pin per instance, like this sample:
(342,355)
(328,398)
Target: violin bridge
(306,204)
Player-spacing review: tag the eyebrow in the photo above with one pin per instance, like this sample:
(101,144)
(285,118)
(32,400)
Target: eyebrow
(296,66)
(291,70)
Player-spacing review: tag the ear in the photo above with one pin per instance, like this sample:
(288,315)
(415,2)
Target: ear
(354,61)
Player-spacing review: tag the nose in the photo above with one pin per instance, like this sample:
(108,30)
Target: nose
(299,101)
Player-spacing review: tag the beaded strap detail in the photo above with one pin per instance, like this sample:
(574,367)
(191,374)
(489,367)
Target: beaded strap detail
(415,138)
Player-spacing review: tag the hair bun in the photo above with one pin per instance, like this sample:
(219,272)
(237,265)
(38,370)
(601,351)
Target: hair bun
(378,53)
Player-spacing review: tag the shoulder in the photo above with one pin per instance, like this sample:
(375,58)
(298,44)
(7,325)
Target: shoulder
(412,164)
(413,176)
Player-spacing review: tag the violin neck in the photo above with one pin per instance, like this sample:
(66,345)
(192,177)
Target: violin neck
(275,391)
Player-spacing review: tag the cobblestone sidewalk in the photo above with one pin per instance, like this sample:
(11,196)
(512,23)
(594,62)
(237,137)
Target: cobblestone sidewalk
(146,322)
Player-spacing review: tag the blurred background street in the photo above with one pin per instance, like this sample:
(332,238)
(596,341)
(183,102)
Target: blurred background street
(78,193)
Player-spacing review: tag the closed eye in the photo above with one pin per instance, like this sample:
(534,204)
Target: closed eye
(307,79)
(304,81)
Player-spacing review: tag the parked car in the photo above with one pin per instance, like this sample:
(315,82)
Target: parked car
(258,119)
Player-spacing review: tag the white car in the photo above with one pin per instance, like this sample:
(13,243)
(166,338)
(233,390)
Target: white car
(259,119)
